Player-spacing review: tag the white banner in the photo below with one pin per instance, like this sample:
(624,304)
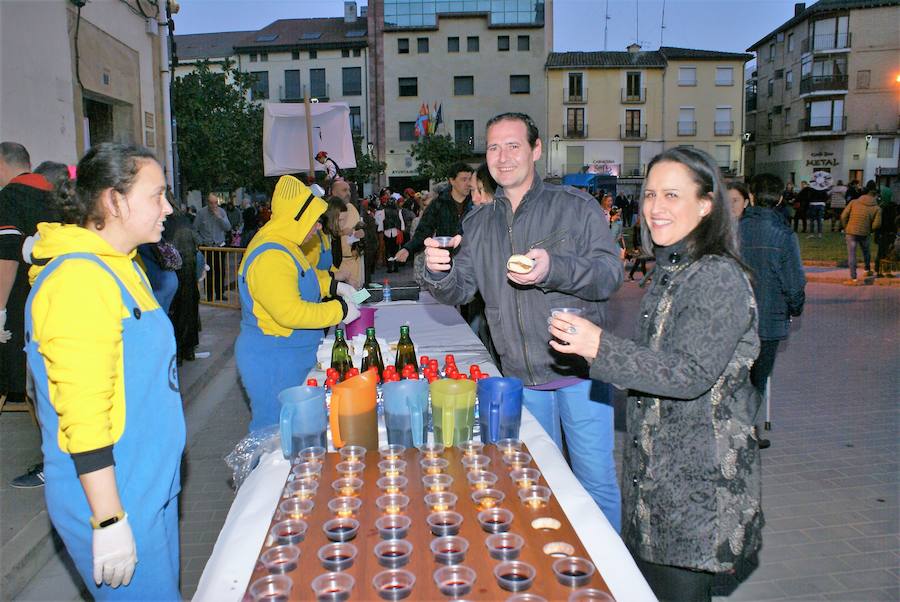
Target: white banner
(285,147)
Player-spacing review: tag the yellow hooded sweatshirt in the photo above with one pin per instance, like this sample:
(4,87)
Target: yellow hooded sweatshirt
(77,316)
(272,276)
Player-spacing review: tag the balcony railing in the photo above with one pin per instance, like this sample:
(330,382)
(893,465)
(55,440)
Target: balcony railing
(729,168)
(632,132)
(817,125)
(293,94)
(631,170)
(634,96)
(723,128)
(575,96)
(750,103)
(687,128)
(823,83)
(826,42)
(576,132)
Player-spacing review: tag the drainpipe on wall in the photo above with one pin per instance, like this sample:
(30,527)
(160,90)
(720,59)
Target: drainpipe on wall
(165,92)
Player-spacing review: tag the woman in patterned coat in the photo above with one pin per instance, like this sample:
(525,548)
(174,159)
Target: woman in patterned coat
(691,492)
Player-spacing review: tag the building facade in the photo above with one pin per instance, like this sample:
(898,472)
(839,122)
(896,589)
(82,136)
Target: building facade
(612,112)
(473,59)
(826,93)
(74,77)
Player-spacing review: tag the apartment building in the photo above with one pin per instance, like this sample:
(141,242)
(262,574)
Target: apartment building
(74,77)
(291,59)
(824,96)
(472,58)
(611,112)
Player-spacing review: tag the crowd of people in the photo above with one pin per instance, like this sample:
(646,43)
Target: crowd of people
(103,358)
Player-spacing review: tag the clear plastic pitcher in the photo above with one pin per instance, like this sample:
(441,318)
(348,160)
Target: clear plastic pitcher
(354,419)
(304,420)
(453,406)
(406,411)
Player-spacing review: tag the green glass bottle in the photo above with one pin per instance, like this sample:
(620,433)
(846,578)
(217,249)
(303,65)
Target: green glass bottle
(371,354)
(406,351)
(340,354)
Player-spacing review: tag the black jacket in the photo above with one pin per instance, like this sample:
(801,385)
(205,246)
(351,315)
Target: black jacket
(440,219)
(771,250)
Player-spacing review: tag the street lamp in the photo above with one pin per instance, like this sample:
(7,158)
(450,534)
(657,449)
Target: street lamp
(371,147)
(555,148)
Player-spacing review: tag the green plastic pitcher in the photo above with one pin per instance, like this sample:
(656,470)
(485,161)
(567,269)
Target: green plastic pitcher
(453,408)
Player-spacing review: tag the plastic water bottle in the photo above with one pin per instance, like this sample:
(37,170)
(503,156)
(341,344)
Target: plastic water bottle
(386,291)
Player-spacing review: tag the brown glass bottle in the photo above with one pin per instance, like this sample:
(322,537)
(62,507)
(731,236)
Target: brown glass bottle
(406,351)
(371,355)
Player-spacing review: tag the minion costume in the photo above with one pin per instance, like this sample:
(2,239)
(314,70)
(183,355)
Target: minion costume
(318,253)
(282,307)
(102,354)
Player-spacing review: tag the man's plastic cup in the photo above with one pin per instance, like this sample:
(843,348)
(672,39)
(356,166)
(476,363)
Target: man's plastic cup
(365,320)
(453,405)
(406,411)
(499,408)
(303,420)
(444,242)
(353,418)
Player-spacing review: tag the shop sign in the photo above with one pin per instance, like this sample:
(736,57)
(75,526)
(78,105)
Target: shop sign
(822,159)
(606,167)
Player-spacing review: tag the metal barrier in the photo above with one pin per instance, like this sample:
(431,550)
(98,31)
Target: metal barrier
(220,287)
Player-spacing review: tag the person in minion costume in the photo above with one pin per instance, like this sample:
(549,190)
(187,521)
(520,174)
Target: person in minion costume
(102,354)
(283,309)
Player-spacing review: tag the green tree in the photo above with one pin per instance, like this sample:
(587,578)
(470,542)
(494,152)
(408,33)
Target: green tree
(436,153)
(367,166)
(219,130)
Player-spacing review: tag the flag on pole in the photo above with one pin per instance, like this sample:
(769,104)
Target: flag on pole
(438,117)
(422,122)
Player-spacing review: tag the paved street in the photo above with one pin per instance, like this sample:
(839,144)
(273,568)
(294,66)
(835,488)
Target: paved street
(830,478)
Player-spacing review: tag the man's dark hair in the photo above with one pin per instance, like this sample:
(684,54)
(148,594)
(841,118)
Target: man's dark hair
(15,155)
(55,173)
(530,128)
(458,167)
(766,189)
(871,186)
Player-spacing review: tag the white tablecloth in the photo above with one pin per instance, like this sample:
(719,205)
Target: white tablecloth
(437,330)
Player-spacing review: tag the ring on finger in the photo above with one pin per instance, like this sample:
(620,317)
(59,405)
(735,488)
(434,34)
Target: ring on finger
(572,330)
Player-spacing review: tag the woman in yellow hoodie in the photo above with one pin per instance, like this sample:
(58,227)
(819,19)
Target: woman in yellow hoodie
(283,309)
(102,353)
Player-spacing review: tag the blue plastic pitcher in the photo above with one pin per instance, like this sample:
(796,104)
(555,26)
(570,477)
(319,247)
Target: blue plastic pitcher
(406,411)
(303,419)
(499,408)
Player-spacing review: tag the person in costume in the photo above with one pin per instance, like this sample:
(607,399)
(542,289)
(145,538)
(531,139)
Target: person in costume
(102,353)
(283,309)
(319,249)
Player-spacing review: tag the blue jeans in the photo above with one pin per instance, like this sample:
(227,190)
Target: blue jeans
(584,411)
(816,215)
(852,242)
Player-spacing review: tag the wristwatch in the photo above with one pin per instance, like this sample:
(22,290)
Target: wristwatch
(107,522)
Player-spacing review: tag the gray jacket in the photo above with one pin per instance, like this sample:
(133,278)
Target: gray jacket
(212,228)
(691,471)
(585,270)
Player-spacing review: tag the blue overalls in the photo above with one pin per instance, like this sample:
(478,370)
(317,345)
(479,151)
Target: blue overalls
(269,364)
(326,257)
(147,455)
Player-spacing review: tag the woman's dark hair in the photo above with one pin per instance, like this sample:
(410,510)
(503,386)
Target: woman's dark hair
(330,219)
(715,234)
(484,176)
(741,188)
(104,166)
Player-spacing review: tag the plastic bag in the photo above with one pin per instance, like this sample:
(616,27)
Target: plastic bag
(246,454)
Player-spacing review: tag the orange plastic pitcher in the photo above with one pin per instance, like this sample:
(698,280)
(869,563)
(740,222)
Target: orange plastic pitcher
(353,417)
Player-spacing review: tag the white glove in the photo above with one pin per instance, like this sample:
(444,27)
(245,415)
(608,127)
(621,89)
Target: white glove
(5,335)
(352,312)
(114,554)
(345,290)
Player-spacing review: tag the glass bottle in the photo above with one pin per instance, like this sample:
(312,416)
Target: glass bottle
(406,351)
(340,354)
(371,353)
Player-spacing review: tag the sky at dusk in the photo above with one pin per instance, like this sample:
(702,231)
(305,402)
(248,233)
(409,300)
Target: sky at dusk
(729,25)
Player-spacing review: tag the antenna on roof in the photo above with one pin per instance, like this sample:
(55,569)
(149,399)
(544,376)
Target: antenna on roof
(637,16)
(662,24)
(606,26)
